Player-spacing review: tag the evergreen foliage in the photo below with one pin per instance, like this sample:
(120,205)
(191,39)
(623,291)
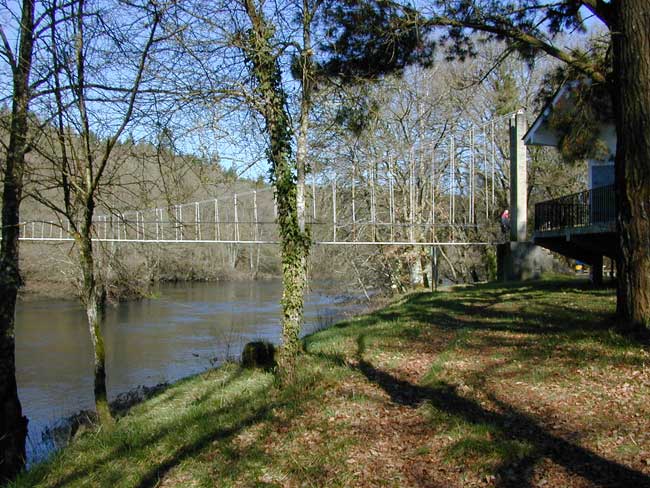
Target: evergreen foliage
(372,38)
(588,106)
(579,120)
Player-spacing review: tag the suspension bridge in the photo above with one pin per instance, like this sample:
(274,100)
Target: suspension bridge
(439,194)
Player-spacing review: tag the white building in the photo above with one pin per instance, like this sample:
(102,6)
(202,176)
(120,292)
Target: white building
(600,171)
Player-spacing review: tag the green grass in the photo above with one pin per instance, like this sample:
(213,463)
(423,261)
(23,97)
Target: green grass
(482,382)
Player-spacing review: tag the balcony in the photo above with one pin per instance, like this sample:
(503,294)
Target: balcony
(580,226)
(595,208)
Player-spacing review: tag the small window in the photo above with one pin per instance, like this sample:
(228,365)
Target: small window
(602,175)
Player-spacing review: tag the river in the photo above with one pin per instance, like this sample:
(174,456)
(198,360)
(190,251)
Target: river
(187,329)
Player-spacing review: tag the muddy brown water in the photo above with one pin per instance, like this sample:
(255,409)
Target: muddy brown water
(187,329)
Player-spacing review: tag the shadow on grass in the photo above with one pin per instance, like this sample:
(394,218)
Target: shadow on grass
(123,448)
(586,327)
(156,473)
(579,336)
(513,425)
(129,450)
(205,423)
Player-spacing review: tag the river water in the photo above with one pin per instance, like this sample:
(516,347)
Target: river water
(188,329)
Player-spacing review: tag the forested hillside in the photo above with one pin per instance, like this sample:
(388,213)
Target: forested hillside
(144,176)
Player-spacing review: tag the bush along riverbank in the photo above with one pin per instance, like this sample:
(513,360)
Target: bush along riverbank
(493,385)
(133,271)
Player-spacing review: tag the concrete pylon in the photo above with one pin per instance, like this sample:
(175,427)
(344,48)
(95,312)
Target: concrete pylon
(520,259)
(518,178)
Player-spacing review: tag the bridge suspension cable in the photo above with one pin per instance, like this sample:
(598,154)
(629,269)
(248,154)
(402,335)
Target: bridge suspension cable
(385,201)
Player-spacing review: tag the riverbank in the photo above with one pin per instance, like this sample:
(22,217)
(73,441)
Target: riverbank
(133,271)
(36,290)
(520,385)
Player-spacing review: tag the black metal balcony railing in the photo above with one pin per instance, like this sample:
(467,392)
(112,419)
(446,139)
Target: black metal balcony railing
(591,207)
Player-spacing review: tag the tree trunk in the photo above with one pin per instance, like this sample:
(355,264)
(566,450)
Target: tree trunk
(301,156)
(631,84)
(233,255)
(305,109)
(93,297)
(294,242)
(416,277)
(295,266)
(13,425)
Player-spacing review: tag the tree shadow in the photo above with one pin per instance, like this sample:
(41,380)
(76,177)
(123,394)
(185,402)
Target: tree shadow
(514,425)
(472,311)
(570,334)
(128,448)
(508,424)
(156,473)
(556,323)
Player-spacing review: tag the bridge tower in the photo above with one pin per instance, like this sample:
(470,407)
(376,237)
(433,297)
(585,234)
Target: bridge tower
(519,259)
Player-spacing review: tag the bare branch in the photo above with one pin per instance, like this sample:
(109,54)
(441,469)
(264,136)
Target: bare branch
(7,51)
(600,9)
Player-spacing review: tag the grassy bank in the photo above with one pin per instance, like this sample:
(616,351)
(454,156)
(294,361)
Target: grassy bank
(522,385)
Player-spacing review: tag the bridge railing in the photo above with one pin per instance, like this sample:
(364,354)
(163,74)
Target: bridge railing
(583,209)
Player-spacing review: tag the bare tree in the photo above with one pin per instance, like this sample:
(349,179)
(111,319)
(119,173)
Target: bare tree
(13,425)
(260,50)
(401,127)
(91,107)
(253,51)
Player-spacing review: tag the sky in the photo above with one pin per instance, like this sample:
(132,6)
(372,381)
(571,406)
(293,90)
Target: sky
(236,140)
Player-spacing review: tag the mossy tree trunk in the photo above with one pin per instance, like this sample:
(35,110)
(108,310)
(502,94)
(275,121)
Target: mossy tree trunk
(631,84)
(13,425)
(93,296)
(259,49)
